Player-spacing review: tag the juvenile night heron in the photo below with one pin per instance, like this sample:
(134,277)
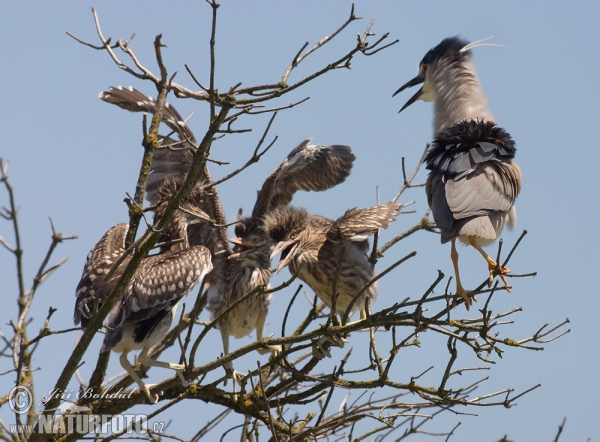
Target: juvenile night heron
(311,246)
(145,311)
(473,182)
(307,167)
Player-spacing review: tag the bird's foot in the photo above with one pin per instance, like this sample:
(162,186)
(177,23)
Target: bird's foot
(500,270)
(318,346)
(273,349)
(153,398)
(179,372)
(466,295)
(233,374)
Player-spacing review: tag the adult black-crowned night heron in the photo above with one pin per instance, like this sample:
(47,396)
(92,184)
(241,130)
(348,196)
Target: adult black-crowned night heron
(473,182)
(311,246)
(145,311)
(307,167)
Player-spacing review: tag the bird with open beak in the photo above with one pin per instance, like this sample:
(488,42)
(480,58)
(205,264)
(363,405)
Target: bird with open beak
(473,181)
(307,167)
(325,253)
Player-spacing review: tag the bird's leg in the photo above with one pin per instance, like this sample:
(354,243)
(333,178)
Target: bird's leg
(144,359)
(228,366)
(143,386)
(493,266)
(260,325)
(460,291)
(337,340)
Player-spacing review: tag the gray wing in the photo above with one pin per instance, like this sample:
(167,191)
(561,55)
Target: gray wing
(359,224)
(490,188)
(92,288)
(307,167)
(157,287)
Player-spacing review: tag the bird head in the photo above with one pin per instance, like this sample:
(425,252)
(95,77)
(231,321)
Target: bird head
(189,211)
(251,241)
(286,226)
(451,52)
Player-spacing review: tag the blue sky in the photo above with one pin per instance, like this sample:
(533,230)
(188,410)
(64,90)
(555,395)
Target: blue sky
(73,157)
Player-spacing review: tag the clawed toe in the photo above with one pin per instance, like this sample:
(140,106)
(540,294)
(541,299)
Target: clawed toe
(318,346)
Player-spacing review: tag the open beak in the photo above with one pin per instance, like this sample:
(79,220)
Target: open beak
(415,81)
(286,255)
(241,249)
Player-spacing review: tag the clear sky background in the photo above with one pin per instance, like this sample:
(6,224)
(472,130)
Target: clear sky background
(73,157)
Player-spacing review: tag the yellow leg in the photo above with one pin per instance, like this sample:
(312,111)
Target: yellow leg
(460,291)
(143,386)
(228,366)
(143,358)
(273,349)
(493,266)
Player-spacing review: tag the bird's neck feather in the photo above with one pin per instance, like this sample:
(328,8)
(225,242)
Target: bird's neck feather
(460,97)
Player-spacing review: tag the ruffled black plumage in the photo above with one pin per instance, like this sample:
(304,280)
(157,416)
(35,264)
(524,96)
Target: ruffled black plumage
(457,150)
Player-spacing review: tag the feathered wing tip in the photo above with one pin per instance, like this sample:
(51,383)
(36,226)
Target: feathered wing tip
(134,101)
(98,263)
(307,167)
(362,223)
(175,158)
(284,221)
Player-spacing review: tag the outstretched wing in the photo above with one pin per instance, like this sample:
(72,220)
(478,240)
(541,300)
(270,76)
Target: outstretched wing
(134,101)
(155,290)
(307,167)
(174,159)
(359,224)
(92,288)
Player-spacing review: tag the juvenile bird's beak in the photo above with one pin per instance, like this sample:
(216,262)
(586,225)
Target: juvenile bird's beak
(199,214)
(242,248)
(286,255)
(415,81)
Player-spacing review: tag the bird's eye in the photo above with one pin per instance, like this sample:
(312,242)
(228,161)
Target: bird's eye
(255,240)
(293,236)
(424,68)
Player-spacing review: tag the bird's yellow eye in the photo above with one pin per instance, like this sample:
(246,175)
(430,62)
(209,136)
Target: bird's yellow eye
(293,236)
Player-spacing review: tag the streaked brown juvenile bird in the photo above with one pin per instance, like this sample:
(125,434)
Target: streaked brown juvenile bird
(311,246)
(307,167)
(474,181)
(145,311)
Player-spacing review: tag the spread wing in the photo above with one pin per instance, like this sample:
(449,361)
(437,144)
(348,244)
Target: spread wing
(134,101)
(307,167)
(156,288)
(359,224)
(175,159)
(92,288)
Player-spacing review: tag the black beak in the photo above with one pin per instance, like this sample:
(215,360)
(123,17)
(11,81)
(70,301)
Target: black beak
(415,81)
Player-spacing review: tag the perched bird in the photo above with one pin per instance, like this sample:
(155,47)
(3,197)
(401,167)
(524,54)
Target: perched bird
(473,180)
(145,311)
(312,245)
(307,167)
